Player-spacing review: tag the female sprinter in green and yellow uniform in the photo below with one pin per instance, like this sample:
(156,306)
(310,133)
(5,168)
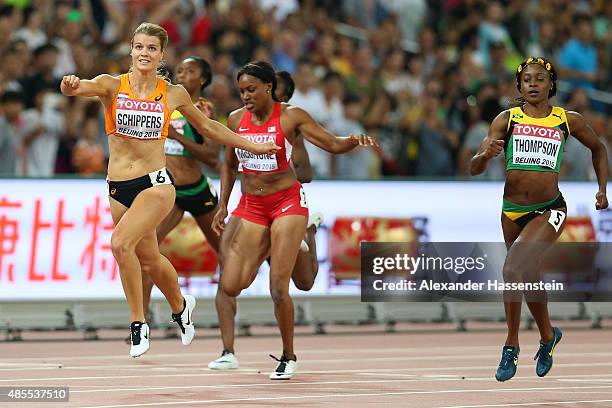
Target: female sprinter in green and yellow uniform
(533,137)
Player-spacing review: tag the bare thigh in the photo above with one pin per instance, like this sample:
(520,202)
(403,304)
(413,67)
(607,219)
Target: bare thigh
(149,207)
(525,252)
(243,253)
(287,234)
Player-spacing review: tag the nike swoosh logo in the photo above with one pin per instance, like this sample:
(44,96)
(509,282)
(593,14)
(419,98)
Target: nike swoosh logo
(208,203)
(241,129)
(146,335)
(158,98)
(515,360)
(550,353)
(286,208)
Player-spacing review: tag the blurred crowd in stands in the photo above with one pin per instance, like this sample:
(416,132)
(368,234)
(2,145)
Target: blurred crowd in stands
(426,77)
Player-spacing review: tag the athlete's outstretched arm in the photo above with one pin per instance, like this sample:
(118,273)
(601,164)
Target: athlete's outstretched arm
(301,160)
(213,129)
(492,145)
(321,137)
(100,86)
(581,130)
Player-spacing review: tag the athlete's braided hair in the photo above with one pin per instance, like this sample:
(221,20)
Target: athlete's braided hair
(261,70)
(546,64)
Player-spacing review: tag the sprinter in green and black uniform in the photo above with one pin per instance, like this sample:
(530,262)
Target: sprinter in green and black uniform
(185,148)
(533,137)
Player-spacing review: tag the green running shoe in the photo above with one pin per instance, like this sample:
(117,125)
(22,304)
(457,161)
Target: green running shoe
(545,353)
(508,363)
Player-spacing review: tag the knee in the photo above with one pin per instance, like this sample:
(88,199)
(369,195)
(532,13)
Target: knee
(148,267)
(279,292)
(120,247)
(228,290)
(512,272)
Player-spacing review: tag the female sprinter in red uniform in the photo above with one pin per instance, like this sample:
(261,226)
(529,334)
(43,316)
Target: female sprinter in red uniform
(534,211)
(273,206)
(138,107)
(306,265)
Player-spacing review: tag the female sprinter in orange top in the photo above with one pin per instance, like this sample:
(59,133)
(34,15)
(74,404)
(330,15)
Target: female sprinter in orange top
(273,207)
(138,107)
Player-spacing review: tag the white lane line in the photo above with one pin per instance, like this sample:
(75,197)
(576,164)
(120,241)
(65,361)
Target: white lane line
(266,384)
(452,350)
(352,395)
(550,379)
(528,404)
(272,384)
(318,372)
(157,362)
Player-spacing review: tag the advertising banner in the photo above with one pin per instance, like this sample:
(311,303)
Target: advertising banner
(55,234)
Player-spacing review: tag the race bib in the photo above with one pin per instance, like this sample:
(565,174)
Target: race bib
(556,219)
(139,119)
(173,147)
(536,145)
(257,162)
(160,177)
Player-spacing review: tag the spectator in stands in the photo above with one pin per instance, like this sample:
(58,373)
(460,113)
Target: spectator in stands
(359,163)
(45,60)
(11,108)
(487,110)
(88,154)
(31,32)
(310,97)
(491,31)
(43,125)
(10,71)
(393,72)
(287,51)
(544,42)
(437,142)
(576,163)
(578,57)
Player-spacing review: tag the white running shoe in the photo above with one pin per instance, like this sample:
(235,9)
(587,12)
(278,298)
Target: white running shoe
(185,320)
(285,369)
(227,361)
(315,219)
(139,336)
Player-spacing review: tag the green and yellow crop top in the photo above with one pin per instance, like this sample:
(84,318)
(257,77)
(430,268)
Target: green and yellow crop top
(174,147)
(536,144)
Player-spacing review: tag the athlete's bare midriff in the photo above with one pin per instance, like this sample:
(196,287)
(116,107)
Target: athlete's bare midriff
(184,170)
(132,158)
(264,184)
(530,187)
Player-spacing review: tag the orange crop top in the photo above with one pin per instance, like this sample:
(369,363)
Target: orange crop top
(135,118)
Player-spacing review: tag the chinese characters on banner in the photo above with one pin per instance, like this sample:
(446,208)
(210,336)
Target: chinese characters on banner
(55,243)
